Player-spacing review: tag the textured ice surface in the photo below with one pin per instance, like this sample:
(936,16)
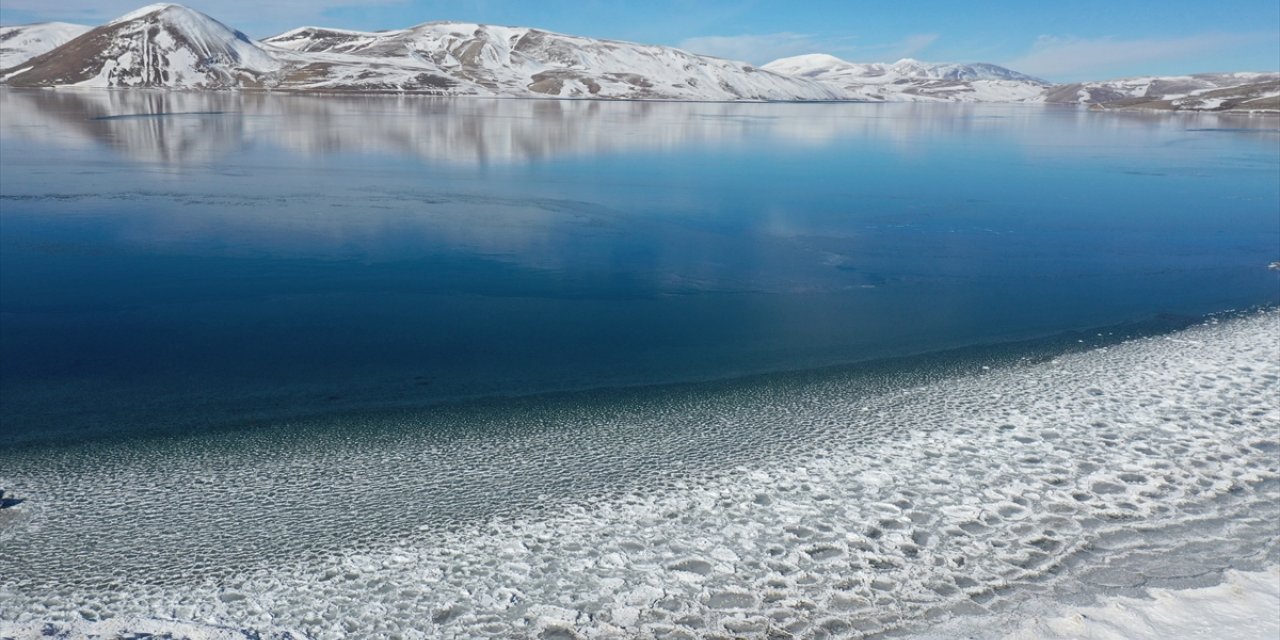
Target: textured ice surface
(814,506)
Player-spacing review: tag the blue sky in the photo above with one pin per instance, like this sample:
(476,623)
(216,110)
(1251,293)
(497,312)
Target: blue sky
(1061,41)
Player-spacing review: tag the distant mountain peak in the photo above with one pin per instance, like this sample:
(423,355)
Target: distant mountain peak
(909,79)
(160,45)
(822,63)
(20,43)
(143,12)
(815,58)
(51,23)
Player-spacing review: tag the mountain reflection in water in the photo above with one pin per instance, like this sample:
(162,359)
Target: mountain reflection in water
(203,126)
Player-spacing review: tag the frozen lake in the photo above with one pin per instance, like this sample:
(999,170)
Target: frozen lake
(506,368)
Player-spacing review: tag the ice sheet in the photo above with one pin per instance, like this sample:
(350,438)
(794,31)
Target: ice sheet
(848,513)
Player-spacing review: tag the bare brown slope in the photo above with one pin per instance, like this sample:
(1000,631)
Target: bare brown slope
(69,64)
(1258,96)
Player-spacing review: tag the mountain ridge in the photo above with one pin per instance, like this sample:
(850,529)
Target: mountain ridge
(915,81)
(157,46)
(1240,91)
(169,46)
(19,43)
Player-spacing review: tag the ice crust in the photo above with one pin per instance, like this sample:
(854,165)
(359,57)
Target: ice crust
(842,511)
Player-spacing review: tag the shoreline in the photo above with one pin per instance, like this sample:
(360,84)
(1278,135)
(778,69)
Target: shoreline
(1092,108)
(1240,606)
(854,514)
(921,362)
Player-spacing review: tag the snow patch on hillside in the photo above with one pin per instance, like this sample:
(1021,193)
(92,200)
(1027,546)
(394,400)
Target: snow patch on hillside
(23,42)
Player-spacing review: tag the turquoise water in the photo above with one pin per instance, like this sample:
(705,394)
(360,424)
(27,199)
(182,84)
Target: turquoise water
(233,259)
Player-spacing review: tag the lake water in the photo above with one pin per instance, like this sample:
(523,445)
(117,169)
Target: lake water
(380,366)
(177,260)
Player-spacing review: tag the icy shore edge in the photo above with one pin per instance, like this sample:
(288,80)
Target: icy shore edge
(1118,473)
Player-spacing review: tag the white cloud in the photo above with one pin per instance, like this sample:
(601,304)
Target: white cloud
(766,47)
(1054,56)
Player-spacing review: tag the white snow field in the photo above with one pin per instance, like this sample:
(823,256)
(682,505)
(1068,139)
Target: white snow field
(1245,607)
(810,505)
(19,43)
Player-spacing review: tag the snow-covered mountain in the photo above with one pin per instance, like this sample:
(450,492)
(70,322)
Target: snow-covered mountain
(171,46)
(1202,92)
(523,61)
(160,45)
(912,80)
(23,42)
(167,45)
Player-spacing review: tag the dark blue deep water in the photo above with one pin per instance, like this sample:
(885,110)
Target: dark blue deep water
(219,259)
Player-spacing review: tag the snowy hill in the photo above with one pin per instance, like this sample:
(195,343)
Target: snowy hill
(161,45)
(915,81)
(170,46)
(1201,92)
(23,42)
(523,61)
(167,45)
